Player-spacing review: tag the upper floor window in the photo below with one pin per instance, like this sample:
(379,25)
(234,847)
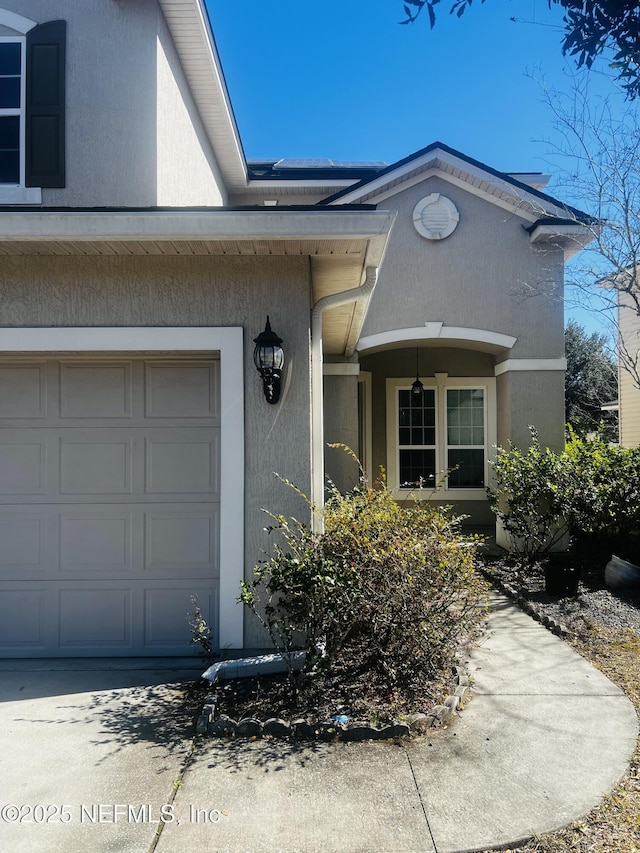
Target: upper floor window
(12,112)
(32,108)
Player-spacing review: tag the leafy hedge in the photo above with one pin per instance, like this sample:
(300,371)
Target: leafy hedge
(590,492)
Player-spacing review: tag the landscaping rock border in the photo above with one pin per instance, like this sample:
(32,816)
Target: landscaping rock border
(212,724)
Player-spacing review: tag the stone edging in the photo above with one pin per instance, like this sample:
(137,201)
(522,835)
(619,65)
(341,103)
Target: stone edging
(214,725)
(527,606)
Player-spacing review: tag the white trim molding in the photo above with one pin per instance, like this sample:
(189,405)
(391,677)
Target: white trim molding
(492,341)
(228,342)
(530,364)
(16,22)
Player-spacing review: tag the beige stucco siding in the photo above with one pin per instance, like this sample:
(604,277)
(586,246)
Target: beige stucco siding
(192,291)
(531,398)
(486,275)
(628,389)
(133,137)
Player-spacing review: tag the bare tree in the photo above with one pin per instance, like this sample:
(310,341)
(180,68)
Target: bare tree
(597,162)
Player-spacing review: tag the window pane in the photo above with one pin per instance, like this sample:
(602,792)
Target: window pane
(470,473)
(9,167)
(10,58)
(465,416)
(416,418)
(9,149)
(9,133)
(9,92)
(417,467)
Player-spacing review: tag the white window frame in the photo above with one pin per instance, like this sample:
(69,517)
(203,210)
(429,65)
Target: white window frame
(19,193)
(19,111)
(440,384)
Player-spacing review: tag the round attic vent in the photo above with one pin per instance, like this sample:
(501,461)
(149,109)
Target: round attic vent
(435,217)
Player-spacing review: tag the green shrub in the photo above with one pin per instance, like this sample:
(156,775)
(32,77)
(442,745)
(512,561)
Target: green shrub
(601,491)
(527,498)
(591,492)
(386,587)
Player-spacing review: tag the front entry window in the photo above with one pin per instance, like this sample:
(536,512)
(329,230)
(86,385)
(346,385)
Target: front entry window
(465,438)
(438,443)
(417,438)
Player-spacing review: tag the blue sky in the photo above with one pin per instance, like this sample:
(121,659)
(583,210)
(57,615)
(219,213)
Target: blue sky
(345,81)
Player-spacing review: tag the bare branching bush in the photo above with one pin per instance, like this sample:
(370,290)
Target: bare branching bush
(385,587)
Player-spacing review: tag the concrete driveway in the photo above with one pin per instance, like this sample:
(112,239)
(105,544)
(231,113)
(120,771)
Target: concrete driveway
(90,752)
(97,759)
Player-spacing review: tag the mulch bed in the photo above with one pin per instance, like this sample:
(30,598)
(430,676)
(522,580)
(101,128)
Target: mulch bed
(360,696)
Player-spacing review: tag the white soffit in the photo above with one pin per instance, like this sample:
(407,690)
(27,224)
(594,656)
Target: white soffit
(192,36)
(571,237)
(318,224)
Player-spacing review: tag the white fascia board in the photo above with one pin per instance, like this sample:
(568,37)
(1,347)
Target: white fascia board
(530,365)
(181,17)
(472,189)
(469,169)
(268,224)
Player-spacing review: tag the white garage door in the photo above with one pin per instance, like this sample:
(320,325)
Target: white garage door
(109,505)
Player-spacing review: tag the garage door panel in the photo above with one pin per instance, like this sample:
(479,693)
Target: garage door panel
(101,465)
(23,391)
(182,542)
(97,617)
(95,391)
(166,629)
(23,463)
(23,544)
(22,618)
(96,541)
(182,462)
(178,390)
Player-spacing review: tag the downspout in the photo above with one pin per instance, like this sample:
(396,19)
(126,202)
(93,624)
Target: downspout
(317,396)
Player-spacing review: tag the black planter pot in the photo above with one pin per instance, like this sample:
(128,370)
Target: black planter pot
(561,579)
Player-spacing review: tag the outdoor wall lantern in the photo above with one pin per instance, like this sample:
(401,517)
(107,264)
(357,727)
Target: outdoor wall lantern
(268,358)
(417,388)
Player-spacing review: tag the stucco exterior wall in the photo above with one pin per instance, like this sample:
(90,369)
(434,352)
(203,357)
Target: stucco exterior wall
(486,275)
(196,291)
(531,398)
(130,140)
(341,427)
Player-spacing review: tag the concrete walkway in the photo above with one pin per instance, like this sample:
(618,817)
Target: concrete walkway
(545,737)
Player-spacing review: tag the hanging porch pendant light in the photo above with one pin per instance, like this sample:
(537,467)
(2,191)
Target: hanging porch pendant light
(417,388)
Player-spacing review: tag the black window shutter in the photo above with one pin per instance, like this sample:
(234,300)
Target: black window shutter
(45,133)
